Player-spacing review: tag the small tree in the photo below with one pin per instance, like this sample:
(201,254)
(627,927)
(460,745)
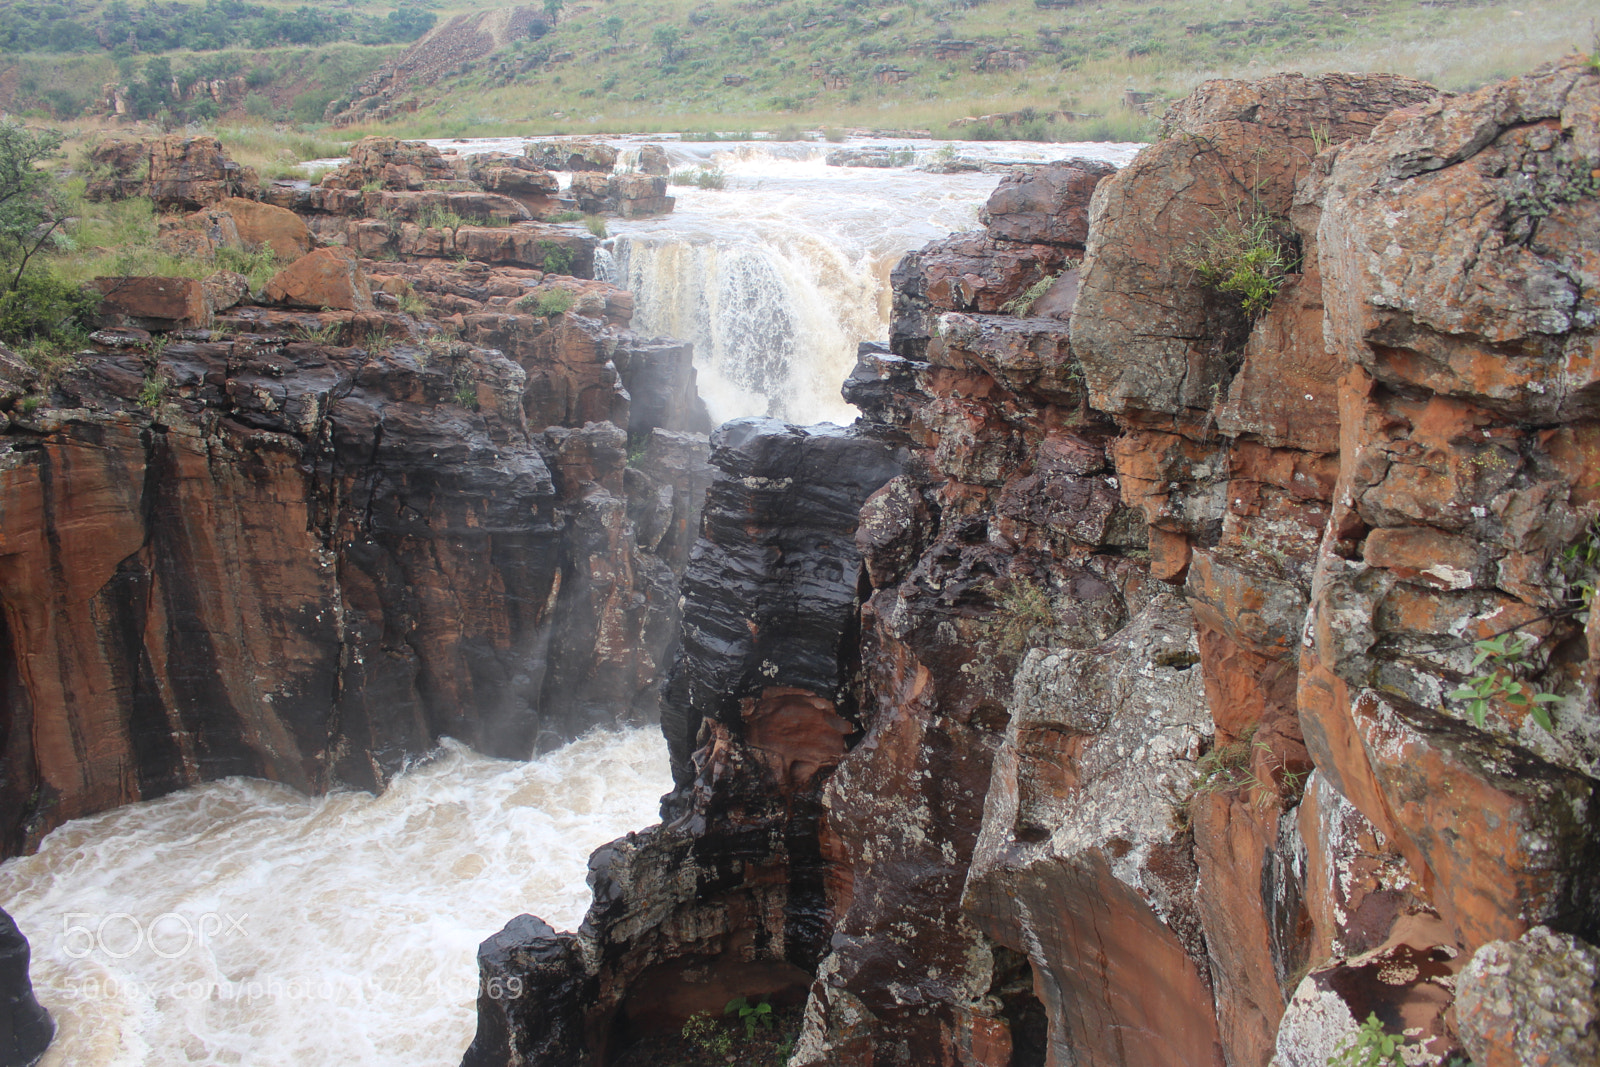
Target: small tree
(553,9)
(666,39)
(32,207)
(613,28)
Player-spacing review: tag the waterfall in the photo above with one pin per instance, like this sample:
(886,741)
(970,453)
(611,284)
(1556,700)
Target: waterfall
(774,322)
(779,274)
(240,922)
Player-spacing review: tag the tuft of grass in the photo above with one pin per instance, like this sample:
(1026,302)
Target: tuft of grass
(1021,305)
(702,177)
(412,304)
(548,303)
(1025,611)
(1247,257)
(326,334)
(434,217)
(153,392)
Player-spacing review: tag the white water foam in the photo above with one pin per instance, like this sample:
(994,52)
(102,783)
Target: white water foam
(240,922)
(780,274)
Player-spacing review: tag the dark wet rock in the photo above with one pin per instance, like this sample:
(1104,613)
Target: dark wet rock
(25,1027)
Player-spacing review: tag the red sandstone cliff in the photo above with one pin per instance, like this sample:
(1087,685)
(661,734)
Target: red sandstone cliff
(1147,755)
(302,534)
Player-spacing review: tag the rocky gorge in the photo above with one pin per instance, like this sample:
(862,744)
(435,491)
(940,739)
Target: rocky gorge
(1097,697)
(1092,700)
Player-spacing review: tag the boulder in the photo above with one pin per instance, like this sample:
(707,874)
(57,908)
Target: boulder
(1083,864)
(1473,288)
(573,155)
(531,991)
(1150,338)
(26,1029)
(327,278)
(152,303)
(1045,205)
(390,163)
(261,225)
(1535,1000)
(187,173)
(118,169)
(225,289)
(653,160)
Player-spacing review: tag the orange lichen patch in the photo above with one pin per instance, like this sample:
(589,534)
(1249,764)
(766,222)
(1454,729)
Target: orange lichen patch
(795,733)
(1417,553)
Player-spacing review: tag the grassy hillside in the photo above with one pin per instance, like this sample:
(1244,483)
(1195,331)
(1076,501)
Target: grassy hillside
(702,65)
(662,64)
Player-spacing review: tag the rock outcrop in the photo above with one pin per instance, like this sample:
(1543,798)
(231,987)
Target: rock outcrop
(26,1029)
(1152,745)
(302,534)
(177,172)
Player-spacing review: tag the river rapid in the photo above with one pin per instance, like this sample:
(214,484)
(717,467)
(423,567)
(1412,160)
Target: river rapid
(240,922)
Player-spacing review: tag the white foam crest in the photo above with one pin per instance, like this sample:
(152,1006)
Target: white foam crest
(308,931)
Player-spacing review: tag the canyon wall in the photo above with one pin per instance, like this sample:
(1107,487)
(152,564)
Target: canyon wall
(1142,741)
(303,533)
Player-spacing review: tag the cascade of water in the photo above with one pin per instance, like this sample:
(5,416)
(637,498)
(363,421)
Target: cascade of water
(243,923)
(777,276)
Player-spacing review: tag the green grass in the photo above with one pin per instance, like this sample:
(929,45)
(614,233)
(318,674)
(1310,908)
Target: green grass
(121,238)
(579,78)
(1083,59)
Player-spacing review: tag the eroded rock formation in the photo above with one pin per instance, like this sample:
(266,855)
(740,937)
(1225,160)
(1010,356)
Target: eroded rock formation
(305,532)
(1148,750)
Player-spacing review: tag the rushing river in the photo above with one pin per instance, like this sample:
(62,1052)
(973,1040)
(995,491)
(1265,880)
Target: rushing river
(240,922)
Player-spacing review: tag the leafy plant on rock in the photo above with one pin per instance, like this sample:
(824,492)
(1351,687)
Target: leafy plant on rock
(750,1014)
(703,1035)
(1496,663)
(1370,1046)
(1248,257)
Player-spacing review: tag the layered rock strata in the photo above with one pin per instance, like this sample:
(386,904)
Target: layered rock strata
(730,897)
(1154,749)
(305,532)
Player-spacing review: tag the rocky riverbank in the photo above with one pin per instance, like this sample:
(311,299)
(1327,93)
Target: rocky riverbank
(1122,723)
(303,532)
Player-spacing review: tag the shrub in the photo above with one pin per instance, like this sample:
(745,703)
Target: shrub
(258,105)
(1249,258)
(553,259)
(547,303)
(596,225)
(42,307)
